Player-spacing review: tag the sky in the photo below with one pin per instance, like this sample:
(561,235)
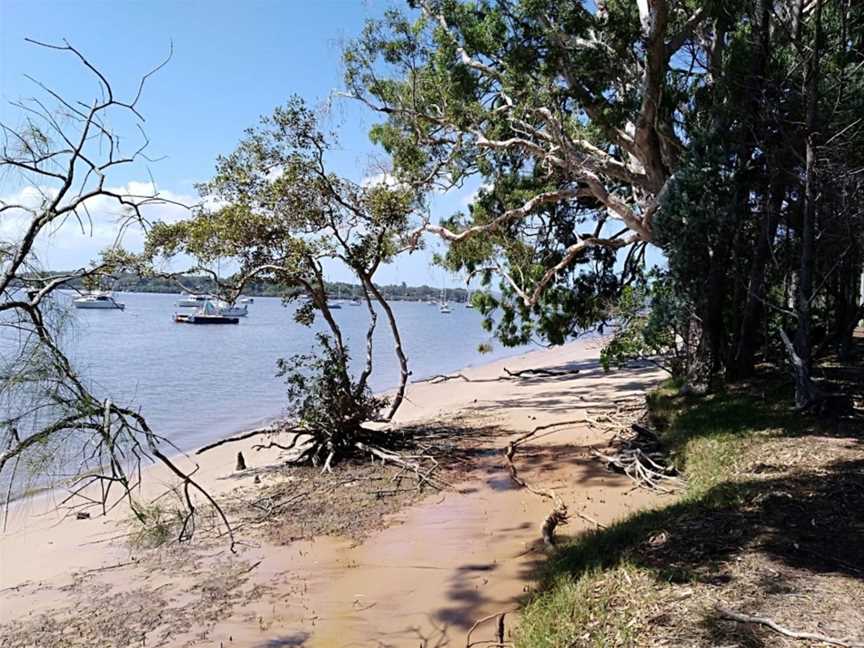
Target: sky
(232,62)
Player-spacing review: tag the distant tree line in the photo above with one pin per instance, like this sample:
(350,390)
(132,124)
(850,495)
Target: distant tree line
(134,282)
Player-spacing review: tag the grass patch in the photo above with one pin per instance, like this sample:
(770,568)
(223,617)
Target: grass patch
(600,589)
(154,526)
(605,614)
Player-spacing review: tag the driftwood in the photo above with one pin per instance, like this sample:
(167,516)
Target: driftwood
(499,631)
(540,372)
(559,514)
(636,450)
(794,634)
(508,374)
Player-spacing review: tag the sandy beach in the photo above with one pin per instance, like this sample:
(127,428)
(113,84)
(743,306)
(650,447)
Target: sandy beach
(422,576)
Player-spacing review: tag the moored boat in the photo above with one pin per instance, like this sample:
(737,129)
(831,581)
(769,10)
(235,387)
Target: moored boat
(190,300)
(230,310)
(98,301)
(207,314)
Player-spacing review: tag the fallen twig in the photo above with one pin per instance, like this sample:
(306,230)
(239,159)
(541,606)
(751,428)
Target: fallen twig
(540,372)
(794,634)
(499,631)
(107,567)
(559,513)
(270,429)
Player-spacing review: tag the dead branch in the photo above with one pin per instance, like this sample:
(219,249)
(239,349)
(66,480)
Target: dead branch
(499,631)
(559,514)
(540,372)
(270,429)
(440,378)
(794,634)
(521,373)
(636,449)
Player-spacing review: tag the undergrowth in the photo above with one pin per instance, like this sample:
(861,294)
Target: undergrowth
(603,587)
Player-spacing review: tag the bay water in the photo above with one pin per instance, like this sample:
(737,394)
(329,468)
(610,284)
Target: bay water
(195,384)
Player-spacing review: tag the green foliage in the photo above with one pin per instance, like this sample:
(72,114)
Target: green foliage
(326,401)
(650,322)
(154,525)
(436,105)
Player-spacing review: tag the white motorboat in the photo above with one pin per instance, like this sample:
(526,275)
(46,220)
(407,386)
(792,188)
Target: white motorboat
(188,300)
(246,300)
(209,313)
(98,300)
(230,310)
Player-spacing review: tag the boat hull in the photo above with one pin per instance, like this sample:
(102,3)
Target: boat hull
(98,305)
(205,319)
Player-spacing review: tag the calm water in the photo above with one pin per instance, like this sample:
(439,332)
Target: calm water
(198,383)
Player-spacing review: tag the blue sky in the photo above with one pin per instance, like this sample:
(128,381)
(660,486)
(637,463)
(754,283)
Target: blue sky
(232,63)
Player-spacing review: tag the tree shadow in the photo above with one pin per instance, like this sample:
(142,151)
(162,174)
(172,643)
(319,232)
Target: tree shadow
(293,640)
(808,520)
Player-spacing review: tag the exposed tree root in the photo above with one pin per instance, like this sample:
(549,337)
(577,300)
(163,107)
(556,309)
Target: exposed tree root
(270,429)
(636,450)
(794,634)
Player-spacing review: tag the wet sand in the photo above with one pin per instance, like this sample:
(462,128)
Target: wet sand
(435,569)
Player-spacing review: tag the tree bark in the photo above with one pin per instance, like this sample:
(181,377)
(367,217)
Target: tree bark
(805,393)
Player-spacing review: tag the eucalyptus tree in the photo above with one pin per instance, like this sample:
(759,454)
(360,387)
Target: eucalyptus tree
(568,115)
(277,213)
(57,163)
(595,128)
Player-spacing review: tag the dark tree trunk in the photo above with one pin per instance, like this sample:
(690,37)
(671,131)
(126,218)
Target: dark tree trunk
(805,392)
(754,308)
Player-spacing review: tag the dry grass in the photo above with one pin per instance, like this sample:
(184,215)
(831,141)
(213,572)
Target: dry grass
(769,525)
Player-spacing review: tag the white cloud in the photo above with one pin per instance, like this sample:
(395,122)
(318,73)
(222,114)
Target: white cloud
(380,179)
(100,223)
(469,198)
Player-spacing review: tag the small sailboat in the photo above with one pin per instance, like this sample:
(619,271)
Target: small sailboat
(468,303)
(336,305)
(444,308)
(98,300)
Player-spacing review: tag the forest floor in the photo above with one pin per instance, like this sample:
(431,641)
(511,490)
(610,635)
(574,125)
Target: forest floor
(769,525)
